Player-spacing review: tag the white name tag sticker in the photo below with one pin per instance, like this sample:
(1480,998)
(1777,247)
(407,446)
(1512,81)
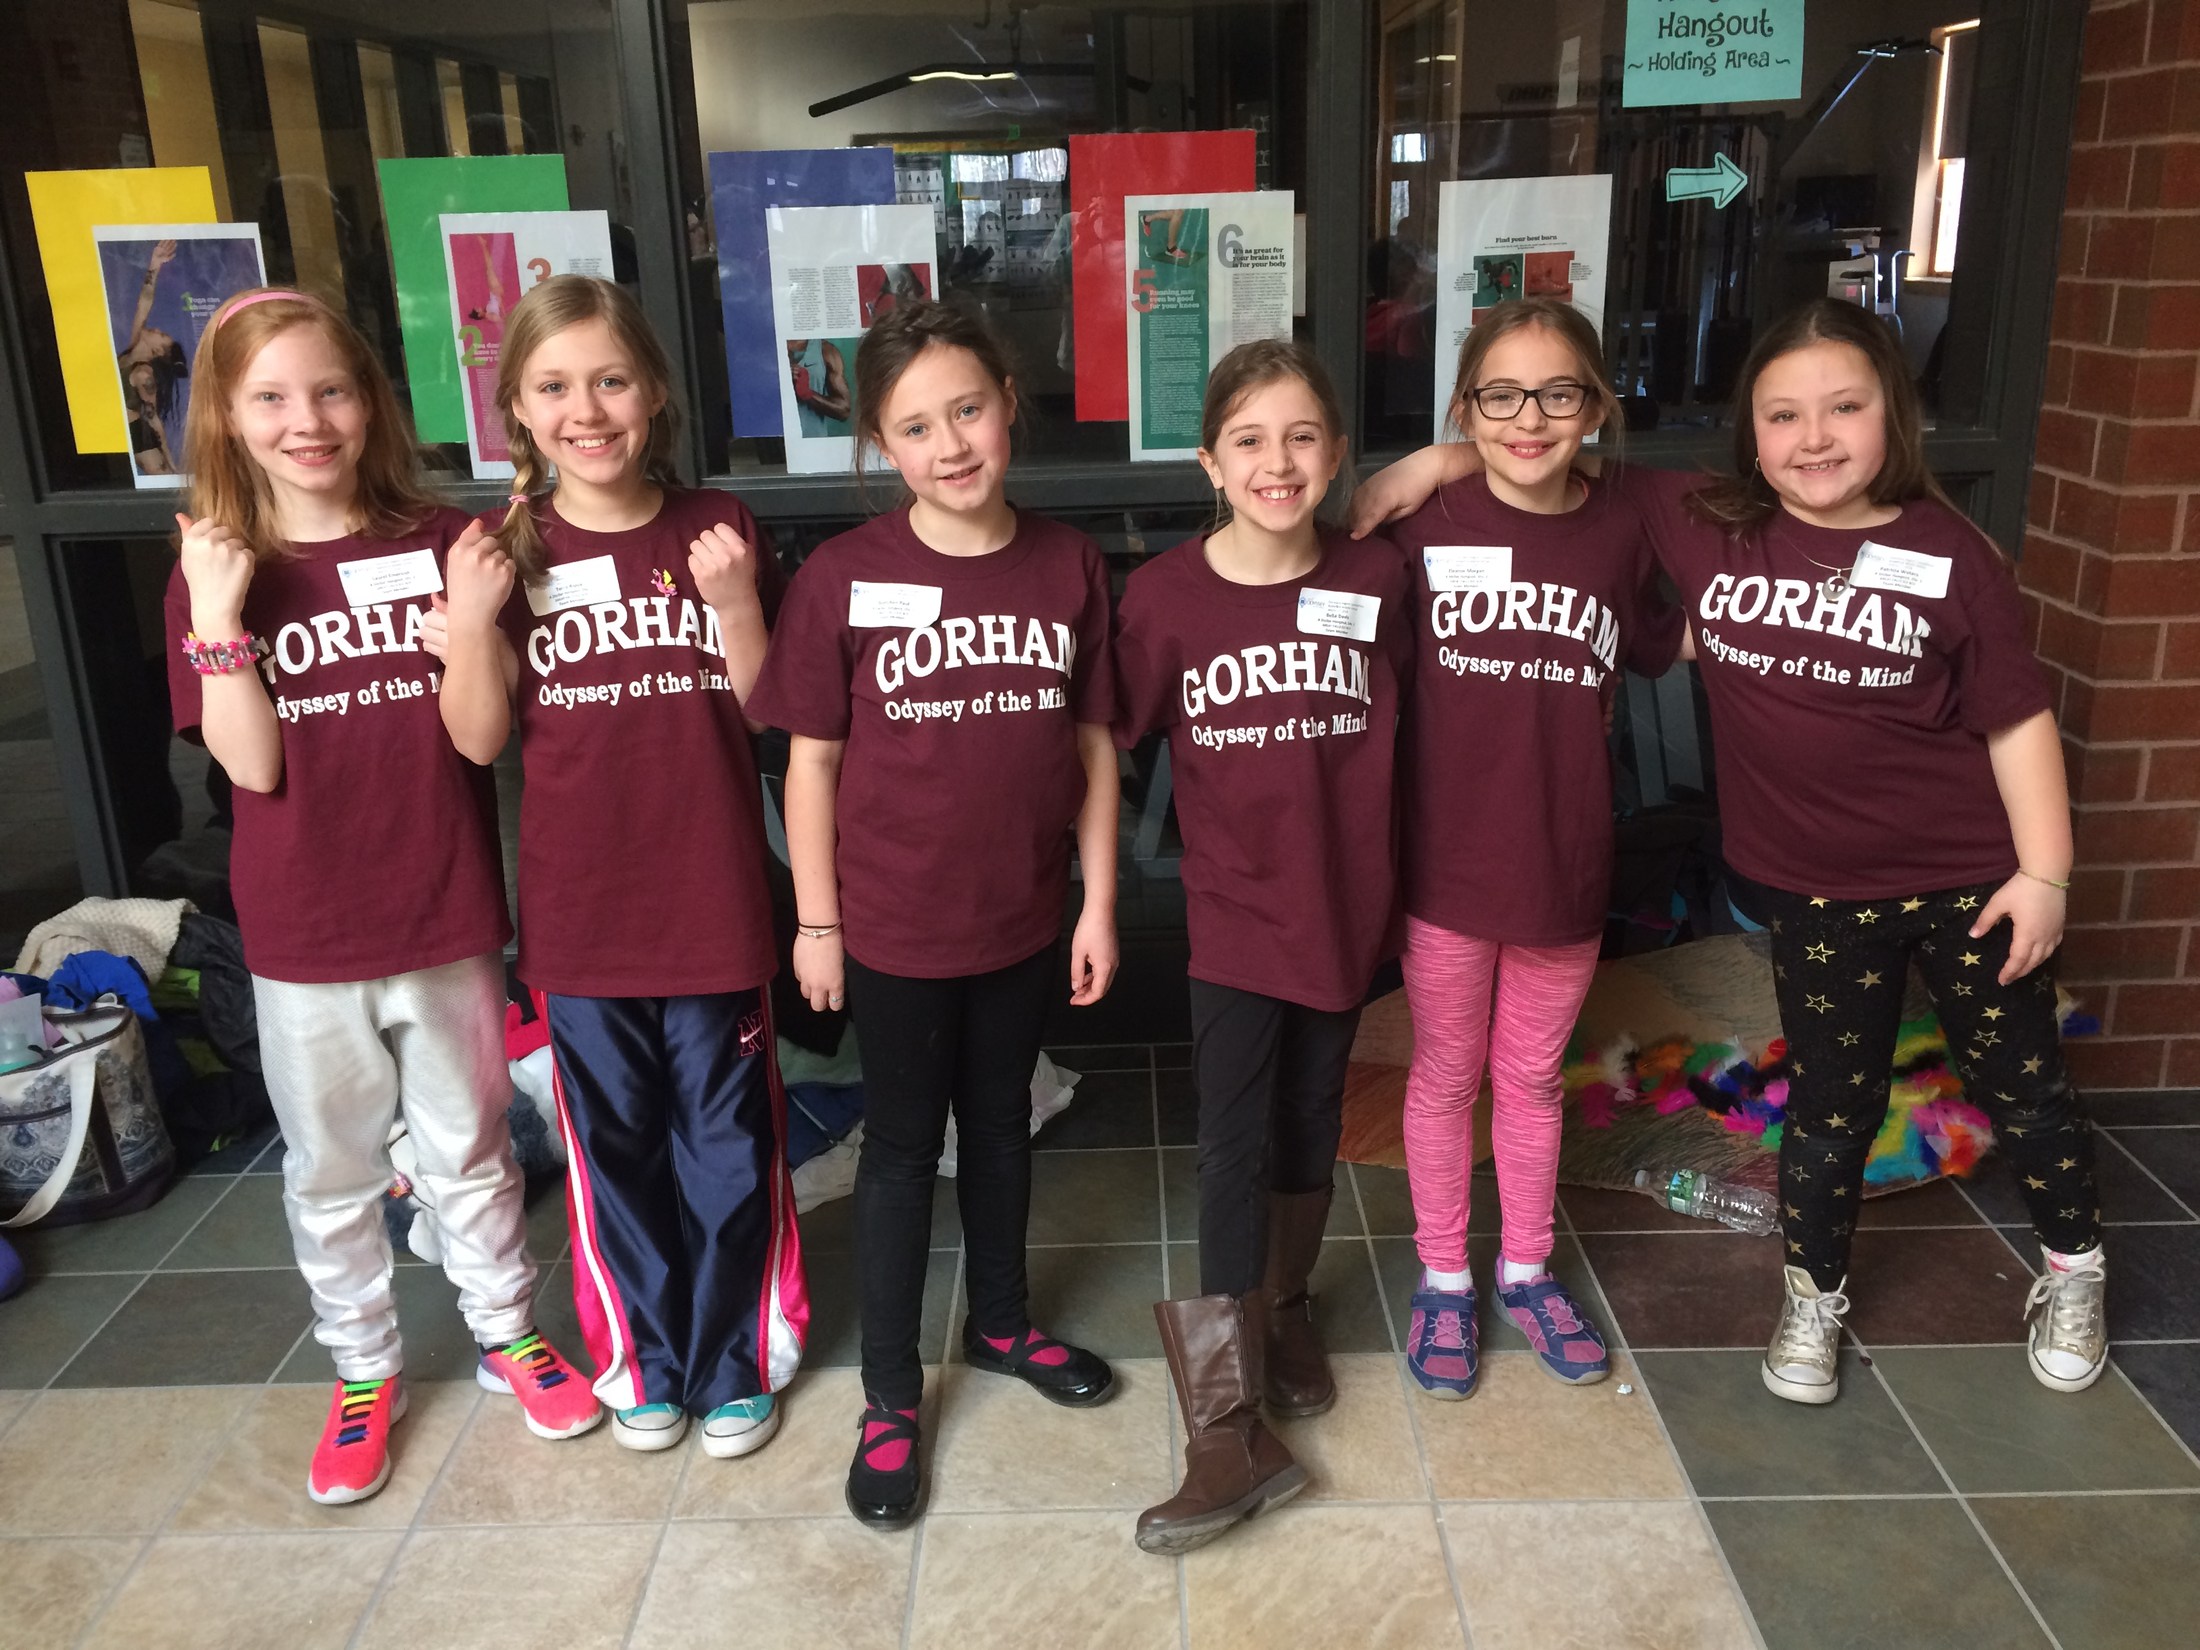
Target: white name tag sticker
(575,584)
(1908,572)
(1344,613)
(373,580)
(876,606)
(1468,567)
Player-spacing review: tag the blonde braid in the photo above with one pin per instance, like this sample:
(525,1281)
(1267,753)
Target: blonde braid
(520,537)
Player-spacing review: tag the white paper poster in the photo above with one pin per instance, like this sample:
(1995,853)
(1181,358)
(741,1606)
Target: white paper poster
(1500,238)
(163,283)
(490,260)
(1206,273)
(835,271)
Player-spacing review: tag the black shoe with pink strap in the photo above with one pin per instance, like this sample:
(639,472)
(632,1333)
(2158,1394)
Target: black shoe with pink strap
(1054,1369)
(885,1481)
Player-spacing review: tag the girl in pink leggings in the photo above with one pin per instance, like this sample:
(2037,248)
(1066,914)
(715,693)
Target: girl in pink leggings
(1534,588)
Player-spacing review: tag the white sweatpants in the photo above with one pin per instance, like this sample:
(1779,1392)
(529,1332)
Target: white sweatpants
(340,1062)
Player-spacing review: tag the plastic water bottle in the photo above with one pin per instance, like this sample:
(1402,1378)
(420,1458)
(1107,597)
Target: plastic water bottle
(1694,1193)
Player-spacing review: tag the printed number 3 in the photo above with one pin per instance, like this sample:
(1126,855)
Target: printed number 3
(539,268)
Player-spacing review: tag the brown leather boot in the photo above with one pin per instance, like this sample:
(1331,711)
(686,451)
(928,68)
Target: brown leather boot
(1297,1381)
(1234,1467)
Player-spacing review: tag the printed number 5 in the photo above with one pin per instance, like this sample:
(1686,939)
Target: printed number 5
(1143,287)
(470,353)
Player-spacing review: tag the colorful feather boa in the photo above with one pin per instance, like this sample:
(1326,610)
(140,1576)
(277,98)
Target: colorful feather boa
(1931,1130)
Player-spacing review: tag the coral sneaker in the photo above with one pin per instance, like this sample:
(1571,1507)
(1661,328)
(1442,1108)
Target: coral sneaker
(553,1398)
(354,1458)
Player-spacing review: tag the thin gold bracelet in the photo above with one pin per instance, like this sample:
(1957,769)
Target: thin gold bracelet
(816,930)
(2050,881)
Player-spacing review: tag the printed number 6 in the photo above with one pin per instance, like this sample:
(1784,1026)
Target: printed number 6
(470,352)
(539,268)
(1143,287)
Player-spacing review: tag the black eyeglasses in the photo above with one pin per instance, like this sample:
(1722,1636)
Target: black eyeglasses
(1554,400)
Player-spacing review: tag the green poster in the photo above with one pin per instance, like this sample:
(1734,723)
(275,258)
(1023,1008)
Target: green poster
(415,194)
(1713,51)
(1170,300)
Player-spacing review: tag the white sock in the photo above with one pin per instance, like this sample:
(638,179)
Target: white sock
(2066,1263)
(1510,1272)
(1448,1283)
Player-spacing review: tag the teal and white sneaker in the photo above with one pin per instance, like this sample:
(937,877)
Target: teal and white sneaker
(649,1426)
(737,1428)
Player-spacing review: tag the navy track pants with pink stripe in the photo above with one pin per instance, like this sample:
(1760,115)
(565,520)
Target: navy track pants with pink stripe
(687,1268)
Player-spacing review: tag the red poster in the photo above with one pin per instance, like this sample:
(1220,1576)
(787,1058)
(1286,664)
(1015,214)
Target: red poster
(1102,170)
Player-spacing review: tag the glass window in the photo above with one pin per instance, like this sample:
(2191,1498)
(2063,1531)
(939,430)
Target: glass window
(38,870)
(289,110)
(1853,188)
(978,104)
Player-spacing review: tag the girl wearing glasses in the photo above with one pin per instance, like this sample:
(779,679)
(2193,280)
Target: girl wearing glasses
(1533,589)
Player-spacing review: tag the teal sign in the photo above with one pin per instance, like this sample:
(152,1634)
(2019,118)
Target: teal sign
(1713,51)
(1717,183)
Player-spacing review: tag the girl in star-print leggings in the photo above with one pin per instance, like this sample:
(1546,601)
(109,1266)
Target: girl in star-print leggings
(1839,969)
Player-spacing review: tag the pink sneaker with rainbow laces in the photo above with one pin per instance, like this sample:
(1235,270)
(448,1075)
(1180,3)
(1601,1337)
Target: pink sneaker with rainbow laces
(553,1399)
(353,1460)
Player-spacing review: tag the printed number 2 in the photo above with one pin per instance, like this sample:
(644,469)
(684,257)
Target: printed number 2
(539,268)
(470,352)
(1143,287)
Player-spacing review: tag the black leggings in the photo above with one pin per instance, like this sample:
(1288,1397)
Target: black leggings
(1271,1109)
(925,1044)
(1839,970)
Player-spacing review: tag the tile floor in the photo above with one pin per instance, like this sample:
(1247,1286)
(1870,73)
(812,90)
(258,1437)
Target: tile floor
(159,1395)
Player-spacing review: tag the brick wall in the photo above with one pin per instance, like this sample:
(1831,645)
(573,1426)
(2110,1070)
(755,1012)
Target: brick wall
(2111,562)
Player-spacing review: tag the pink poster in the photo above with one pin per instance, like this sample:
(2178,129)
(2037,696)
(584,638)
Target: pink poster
(485,281)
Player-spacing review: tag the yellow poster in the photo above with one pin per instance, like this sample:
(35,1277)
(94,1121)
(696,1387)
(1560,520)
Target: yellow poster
(65,206)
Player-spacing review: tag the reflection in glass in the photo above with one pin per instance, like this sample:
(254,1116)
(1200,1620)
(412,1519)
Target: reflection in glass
(978,104)
(289,107)
(1850,187)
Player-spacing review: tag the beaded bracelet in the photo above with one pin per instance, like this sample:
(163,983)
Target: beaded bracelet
(219,658)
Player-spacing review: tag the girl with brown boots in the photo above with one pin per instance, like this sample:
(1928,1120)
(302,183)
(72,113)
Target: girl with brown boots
(1270,652)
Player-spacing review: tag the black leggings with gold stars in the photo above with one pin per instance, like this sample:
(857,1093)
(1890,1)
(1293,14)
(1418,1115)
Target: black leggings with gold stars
(1839,968)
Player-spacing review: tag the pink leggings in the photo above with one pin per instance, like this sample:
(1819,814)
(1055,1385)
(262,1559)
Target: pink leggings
(1451,980)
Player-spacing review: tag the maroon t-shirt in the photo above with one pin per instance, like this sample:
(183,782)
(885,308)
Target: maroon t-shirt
(1524,623)
(377,853)
(1280,703)
(1851,732)
(958,683)
(641,827)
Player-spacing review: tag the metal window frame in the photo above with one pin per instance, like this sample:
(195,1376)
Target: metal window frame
(2027,89)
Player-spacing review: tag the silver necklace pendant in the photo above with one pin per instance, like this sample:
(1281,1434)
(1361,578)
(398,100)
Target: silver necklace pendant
(1833,587)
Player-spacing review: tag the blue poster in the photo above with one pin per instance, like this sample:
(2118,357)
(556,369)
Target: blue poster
(1713,51)
(742,184)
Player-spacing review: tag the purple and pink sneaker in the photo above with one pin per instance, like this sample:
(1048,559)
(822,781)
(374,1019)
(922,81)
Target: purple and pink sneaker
(1443,1342)
(1562,1335)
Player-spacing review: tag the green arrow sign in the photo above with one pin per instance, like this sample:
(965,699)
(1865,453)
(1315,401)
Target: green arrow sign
(1719,182)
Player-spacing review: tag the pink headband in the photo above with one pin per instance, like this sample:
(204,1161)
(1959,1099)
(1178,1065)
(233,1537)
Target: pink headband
(224,313)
